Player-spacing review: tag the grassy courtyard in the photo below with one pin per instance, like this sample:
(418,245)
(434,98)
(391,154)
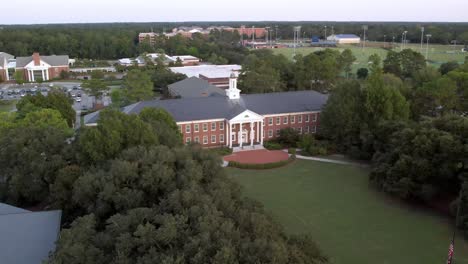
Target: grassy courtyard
(7,106)
(438,54)
(351,222)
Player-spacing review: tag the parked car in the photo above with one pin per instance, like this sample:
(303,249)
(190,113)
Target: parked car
(78,99)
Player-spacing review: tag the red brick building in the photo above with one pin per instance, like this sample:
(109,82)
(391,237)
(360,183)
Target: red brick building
(45,68)
(237,120)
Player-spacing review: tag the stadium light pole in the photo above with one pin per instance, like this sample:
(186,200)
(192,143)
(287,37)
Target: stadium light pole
(403,40)
(364,38)
(393,42)
(325,38)
(384,41)
(422,38)
(276,29)
(428,36)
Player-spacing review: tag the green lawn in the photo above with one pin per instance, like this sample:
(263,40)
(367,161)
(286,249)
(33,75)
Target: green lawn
(7,106)
(438,54)
(351,222)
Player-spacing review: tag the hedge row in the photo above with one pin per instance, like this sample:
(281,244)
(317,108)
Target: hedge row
(264,166)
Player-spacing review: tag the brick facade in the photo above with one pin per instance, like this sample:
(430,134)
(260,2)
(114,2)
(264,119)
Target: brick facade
(214,133)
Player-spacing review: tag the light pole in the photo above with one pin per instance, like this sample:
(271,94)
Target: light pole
(403,40)
(364,28)
(325,33)
(384,41)
(276,28)
(393,42)
(422,38)
(428,36)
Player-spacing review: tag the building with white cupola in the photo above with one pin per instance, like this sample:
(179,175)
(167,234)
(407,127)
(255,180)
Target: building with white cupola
(236,119)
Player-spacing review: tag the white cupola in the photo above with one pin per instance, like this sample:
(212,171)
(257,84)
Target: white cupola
(232,92)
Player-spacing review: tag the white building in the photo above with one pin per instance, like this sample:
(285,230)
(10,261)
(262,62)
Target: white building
(345,39)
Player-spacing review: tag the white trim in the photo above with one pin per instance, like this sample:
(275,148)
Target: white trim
(246,117)
(199,121)
(293,113)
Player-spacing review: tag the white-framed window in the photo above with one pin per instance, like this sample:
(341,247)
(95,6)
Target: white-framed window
(180,128)
(278,120)
(196,139)
(196,128)
(213,126)
(307,118)
(221,138)
(314,117)
(213,138)
(293,119)
(306,130)
(187,128)
(221,125)
(270,133)
(313,129)
(285,120)
(205,127)
(205,140)
(277,132)
(299,118)
(233,137)
(270,121)
(188,140)
(299,129)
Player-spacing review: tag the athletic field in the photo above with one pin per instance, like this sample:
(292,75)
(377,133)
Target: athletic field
(437,54)
(352,223)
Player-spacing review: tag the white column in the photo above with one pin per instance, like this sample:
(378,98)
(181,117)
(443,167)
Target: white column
(258,124)
(32,76)
(43,75)
(252,133)
(227,126)
(261,134)
(47,74)
(239,138)
(6,74)
(230,135)
(29,75)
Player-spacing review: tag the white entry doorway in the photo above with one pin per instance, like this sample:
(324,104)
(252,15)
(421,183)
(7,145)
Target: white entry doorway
(245,137)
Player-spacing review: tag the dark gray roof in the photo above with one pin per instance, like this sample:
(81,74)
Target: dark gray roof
(203,108)
(4,57)
(27,237)
(194,87)
(8,209)
(54,60)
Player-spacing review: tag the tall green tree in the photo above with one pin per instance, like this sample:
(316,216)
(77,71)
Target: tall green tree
(346,61)
(138,86)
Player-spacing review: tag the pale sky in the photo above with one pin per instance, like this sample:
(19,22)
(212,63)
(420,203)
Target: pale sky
(88,11)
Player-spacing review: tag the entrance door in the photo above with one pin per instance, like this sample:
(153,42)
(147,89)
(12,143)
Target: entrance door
(245,138)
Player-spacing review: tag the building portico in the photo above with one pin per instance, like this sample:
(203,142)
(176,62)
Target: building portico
(246,129)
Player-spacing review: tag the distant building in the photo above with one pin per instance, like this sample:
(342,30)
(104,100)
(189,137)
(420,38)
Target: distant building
(187,60)
(345,39)
(194,87)
(150,36)
(217,75)
(189,31)
(27,237)
(37,67)
(5,62)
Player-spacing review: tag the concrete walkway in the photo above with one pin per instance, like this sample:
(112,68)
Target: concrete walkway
(354,163)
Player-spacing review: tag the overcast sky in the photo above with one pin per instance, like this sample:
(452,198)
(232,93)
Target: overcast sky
(87,11)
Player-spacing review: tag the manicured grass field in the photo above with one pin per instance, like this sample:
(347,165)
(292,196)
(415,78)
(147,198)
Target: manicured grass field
(352,222)
(438,54)
(7,106)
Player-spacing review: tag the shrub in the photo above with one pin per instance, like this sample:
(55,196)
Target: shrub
(271,145)
(264,166)
(222,151)
(292,151)
(288,137)
(311,146)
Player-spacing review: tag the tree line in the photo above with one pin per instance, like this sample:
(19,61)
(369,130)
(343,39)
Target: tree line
(118,40)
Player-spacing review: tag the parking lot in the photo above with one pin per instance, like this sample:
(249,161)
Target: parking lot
(81,100)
